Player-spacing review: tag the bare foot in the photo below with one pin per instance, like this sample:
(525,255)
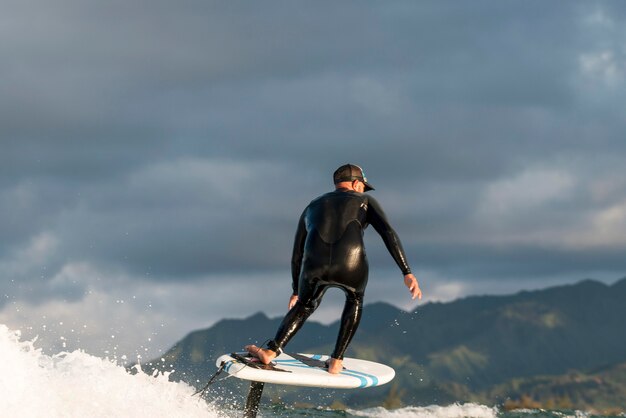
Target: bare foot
(335,366)
(263,354)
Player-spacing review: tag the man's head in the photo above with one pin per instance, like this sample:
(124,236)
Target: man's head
(353,174)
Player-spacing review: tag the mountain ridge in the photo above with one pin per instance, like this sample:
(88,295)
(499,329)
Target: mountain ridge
(468,349)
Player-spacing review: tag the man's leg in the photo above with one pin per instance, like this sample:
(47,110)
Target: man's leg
(350,319)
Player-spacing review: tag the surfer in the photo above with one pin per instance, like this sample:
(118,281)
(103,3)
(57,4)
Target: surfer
(328,252)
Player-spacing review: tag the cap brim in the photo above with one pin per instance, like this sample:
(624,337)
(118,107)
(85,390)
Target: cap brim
(368,186)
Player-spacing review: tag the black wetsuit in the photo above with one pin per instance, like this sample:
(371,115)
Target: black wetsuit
(329,252)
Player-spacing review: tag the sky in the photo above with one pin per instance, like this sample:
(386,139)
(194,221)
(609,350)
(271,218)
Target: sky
(155,156)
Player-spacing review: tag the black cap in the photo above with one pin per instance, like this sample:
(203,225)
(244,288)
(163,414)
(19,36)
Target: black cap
(350,172)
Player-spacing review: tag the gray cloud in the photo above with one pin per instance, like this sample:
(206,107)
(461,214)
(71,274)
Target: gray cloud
(163,145)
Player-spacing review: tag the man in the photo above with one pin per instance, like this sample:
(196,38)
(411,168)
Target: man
(328,252)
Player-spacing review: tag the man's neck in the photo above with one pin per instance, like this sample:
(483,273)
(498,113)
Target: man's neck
(344,186)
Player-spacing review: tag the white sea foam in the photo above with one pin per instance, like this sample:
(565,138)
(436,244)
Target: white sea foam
(76,384)
(80,385)
(468,410)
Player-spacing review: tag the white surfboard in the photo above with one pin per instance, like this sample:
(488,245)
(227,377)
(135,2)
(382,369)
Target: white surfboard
(307,370)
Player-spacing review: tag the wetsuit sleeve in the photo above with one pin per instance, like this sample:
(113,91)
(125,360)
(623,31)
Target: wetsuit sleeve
(376,217)
(298,252)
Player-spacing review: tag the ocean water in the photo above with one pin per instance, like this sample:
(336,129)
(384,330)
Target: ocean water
(76,384)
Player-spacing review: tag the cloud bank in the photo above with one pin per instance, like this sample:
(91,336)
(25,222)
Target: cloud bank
(156,156)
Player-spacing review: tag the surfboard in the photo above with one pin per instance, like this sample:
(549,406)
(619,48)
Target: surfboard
(306,370)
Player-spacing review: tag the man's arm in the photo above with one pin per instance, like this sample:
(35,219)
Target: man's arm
(298,252)
(376,217)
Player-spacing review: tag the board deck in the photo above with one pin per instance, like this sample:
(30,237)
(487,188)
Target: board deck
(307,370)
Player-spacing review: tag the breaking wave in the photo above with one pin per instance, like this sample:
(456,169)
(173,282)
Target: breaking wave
(76,384)
(434,411)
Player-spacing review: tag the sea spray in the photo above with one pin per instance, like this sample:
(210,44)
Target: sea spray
(451,411)
(76,384)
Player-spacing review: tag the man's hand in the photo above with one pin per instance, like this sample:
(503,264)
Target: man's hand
(292,300)
(411,282)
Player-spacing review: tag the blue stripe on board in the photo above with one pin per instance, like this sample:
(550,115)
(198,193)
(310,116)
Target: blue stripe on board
(352,373)
(303,366)
(361,378)
(370,376)
(227,366)
(297,364)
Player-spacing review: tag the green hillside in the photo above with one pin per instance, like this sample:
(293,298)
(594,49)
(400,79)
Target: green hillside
(602,390)
(542,346)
